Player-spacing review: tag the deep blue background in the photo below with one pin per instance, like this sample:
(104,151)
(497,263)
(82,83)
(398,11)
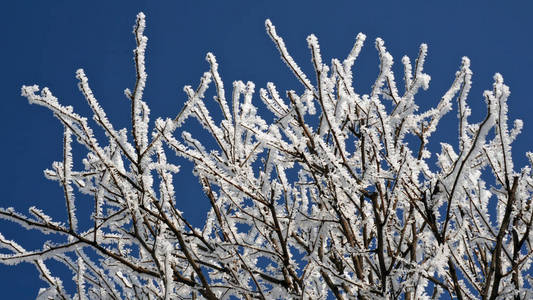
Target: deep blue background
(44,42)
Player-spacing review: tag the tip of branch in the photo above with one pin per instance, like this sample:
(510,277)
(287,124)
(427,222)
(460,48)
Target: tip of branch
(465,61)
(80,73)
(140,24)
(210,57)
(379,42)
(28,90)
(498,78)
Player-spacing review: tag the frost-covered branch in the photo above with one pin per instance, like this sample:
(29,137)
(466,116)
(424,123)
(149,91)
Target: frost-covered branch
(337,197)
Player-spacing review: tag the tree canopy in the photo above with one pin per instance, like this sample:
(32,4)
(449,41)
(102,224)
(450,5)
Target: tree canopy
(334,197)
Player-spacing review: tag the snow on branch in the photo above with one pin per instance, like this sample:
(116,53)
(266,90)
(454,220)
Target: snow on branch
(336,197)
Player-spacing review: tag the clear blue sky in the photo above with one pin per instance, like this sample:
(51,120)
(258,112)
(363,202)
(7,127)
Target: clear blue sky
(44,42)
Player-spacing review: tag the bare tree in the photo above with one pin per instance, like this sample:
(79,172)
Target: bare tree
(335,197)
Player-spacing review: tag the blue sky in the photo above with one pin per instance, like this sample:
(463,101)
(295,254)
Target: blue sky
(44,42)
